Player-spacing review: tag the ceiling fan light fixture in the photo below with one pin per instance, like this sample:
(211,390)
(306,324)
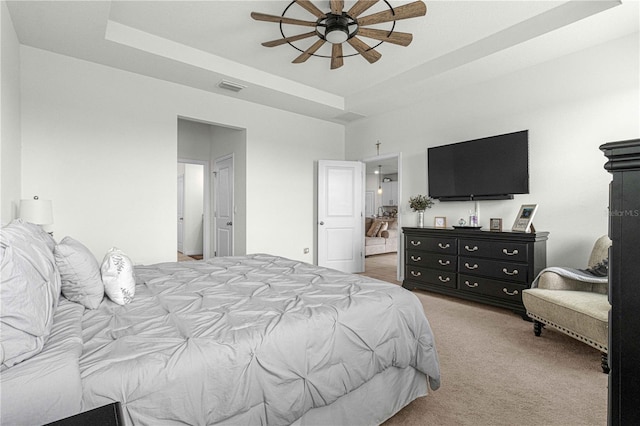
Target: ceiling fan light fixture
(337,35)
(337,30)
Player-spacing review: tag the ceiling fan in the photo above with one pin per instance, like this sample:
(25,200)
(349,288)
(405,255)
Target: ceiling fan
(338,26)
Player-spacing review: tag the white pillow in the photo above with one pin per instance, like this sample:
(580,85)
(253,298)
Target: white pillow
(80,273)
(29,292)
(117,276)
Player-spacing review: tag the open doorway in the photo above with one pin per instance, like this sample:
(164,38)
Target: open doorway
(382,202)
(192,201)
(204,144)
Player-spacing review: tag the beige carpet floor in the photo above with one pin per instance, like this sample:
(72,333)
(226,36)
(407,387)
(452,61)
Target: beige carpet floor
(496,372)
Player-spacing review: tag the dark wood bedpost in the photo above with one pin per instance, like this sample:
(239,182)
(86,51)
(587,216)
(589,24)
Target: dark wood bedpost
(624,281)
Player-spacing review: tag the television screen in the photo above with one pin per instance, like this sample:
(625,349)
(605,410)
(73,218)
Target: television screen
(489,168)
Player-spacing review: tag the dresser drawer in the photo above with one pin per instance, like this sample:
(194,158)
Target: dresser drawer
(515,252)
(432,244)
(494,269)
(423,259)
(431,276)
(489,287)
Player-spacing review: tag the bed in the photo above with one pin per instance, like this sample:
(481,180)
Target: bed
(256,339)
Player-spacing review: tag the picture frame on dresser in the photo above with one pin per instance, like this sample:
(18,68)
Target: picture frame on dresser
(440,222)
(524,219)
(495,224)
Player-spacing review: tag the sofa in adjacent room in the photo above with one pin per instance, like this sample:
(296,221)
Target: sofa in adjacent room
(381,235)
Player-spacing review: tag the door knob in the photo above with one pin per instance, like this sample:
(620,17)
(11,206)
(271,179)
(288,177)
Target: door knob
(321,223)
(229,223)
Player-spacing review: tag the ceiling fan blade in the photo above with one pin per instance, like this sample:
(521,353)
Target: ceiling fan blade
(310,51)
(273,18)
(336,56)
(360,6)
(337,6)
(310,7)
(281,41)
(364,49)
(411,10)
(403,39)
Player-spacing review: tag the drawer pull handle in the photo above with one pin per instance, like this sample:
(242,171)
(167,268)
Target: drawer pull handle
(504,290)
(515,271)
(444,246)
(475,266)
(471,285)
(474,248)
(416,274)
(444,262)
(416,259)
(444,280)
(416,243)
(513,253)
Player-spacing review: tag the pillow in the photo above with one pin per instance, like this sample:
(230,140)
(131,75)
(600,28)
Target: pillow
(117,276)
(79,272)
(374,228)
(36,232)
(29,292)
(383,227)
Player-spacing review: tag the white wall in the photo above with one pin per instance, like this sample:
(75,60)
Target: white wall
(10,163)
(570,105)
(102,144)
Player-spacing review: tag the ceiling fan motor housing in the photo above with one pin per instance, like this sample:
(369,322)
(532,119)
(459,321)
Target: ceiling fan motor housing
(337,28)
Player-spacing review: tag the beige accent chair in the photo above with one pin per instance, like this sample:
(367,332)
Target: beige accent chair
(576,308)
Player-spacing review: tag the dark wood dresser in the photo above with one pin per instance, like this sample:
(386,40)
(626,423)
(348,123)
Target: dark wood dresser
(624,281)
(485,266)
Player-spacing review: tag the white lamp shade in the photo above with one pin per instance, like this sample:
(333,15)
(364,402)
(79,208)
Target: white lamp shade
(39,212)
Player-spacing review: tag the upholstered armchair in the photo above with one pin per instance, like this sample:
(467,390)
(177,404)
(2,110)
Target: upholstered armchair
(574,301)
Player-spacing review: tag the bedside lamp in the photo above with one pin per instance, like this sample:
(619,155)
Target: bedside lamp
(36,211)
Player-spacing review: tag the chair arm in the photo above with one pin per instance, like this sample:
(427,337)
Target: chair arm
(389,233)
(552,281)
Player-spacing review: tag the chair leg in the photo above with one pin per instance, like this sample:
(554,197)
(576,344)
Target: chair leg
(537,327)
(604,362)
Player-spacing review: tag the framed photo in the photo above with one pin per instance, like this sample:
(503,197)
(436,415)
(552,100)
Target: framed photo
(524,219)
(440,222)
(495,224)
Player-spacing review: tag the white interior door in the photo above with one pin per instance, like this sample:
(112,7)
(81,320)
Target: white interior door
(340,215)
(180,213)
(223,200)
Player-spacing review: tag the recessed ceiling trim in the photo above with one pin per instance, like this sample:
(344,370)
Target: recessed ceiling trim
(558,17)
(141,40)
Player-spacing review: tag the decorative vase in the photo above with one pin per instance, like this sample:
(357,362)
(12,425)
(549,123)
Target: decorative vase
(420,218)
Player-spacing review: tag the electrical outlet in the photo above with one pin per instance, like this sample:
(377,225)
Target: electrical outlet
(306,250)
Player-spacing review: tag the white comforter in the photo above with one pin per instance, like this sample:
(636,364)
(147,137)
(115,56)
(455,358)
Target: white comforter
(256,339)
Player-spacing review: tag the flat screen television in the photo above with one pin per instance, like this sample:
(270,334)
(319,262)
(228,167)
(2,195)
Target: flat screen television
(492,168)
